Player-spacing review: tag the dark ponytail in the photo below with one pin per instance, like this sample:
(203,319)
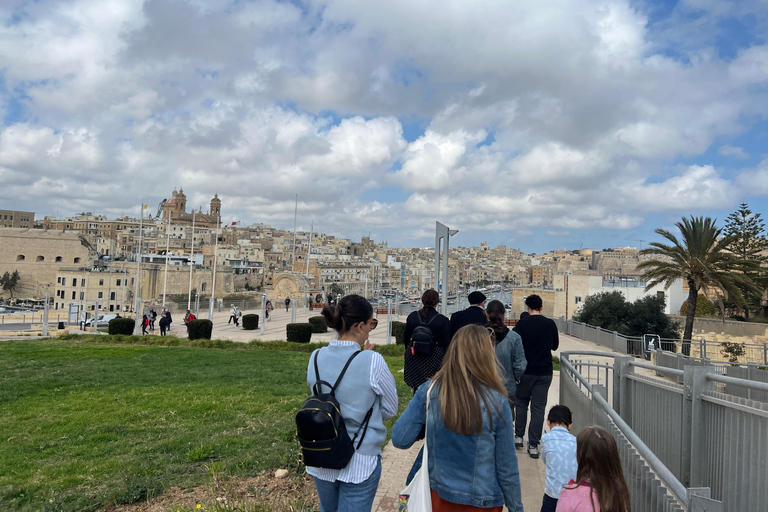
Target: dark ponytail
(496,313)
(430,299)
(351,310)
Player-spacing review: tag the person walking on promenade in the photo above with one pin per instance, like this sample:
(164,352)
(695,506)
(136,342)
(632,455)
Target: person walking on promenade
(232,312)
(600,485)
(509,349)
(287,303)
(238,315)
(421,365)
(540,338)
(152,318)
(267,308)
(144,324)
(470,429)
(163,324)
(366,386)
(474,314)
(170,319)
(309,301)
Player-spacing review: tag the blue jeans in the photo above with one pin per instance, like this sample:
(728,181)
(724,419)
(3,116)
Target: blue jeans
(548,504)
(343,497)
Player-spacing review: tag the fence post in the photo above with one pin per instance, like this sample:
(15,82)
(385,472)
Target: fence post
(622,403)
(703,348)
(695,384)
(597,388)
(765,353)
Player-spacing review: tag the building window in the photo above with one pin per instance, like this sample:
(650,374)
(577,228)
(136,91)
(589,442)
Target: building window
(20,257)
(58,280)
(112,296)
(101,282)
(59,259)
(73,295)
(132,281)
(82,282)
(40,258)
(577,299)
(118,282)
(101,295)
(82,295)
(77,260)
(74,281)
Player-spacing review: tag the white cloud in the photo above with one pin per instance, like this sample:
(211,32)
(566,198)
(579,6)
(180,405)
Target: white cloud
(733,151)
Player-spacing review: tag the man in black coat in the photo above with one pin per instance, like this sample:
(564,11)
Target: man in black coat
(474,314)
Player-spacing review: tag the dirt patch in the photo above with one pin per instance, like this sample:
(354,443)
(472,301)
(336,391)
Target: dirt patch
(289,494)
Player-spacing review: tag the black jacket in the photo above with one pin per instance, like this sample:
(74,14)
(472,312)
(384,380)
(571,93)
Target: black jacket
(540,338)
(471,315)
(440,327)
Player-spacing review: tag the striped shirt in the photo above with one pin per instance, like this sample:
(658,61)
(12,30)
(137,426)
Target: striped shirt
(362,466)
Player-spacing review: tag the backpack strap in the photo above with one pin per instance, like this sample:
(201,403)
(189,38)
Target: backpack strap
(318,384)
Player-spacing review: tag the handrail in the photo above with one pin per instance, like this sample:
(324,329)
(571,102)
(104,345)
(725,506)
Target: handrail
(759,386)
(660,369)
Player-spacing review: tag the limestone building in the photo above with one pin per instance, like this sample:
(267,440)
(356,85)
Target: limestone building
(17,219)
(175,210)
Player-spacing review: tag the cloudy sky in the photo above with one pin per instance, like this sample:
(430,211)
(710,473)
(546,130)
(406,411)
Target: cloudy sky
(540,125)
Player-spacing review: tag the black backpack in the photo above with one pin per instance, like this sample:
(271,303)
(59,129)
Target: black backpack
(322,433)
(422,338)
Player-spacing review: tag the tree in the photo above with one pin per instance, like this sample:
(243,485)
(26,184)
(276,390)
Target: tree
(748,232)
(606,309)
(701,259)
(9,281)
(610,310)
(704,307)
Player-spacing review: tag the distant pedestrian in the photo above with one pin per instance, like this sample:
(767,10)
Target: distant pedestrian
(152,318)
(232,311)
(287,303)
(558,451)
(170,319)
(267,309)
(164,323)
(238,314)
(309,301)
(144,324)
(319,298)
(189,317)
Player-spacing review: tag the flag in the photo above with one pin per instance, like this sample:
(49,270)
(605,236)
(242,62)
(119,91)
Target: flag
(145,206)
(234,223)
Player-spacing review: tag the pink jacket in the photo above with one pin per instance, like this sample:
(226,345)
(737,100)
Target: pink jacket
(578,499)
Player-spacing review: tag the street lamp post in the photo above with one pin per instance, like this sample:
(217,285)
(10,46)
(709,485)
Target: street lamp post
(442,232)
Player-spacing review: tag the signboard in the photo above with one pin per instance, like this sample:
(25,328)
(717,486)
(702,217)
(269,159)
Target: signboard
(73,310)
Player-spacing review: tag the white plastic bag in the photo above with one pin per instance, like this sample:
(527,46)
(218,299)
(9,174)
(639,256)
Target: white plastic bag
(416,496)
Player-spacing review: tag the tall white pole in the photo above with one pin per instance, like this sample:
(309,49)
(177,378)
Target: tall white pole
(295,213)
(191,263)
(167,248)
(309,249)
(138,268)
(215,257)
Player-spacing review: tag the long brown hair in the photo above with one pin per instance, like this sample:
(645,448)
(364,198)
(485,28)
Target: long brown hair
(470,371)
(599,464)
(496,312)
(430,299)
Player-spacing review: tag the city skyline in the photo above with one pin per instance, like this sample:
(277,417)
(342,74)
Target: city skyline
(557,125)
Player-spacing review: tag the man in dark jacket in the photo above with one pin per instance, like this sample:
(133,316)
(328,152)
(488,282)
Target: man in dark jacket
(540,338)
(474,314)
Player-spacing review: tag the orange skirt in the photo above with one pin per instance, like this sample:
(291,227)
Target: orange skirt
(441,505)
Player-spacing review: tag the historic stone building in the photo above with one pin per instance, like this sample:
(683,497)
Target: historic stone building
(175,209)
(38,254)
(17,219)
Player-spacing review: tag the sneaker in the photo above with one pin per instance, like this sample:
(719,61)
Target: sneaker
(519,443)
(533,451)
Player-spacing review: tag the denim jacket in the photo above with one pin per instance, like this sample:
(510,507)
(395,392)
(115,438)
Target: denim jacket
(478,469)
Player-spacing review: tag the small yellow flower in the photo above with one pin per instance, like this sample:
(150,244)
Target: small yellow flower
(199,505)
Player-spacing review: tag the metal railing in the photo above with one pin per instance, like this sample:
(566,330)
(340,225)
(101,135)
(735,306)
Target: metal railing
(695,446)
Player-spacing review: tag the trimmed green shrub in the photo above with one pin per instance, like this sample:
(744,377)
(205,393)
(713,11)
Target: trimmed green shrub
(250,322)
(199,329)
(122,326)
(398,330)
(298,333)
(318,324)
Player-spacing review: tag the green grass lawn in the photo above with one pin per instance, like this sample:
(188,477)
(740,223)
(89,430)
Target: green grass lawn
(85,424)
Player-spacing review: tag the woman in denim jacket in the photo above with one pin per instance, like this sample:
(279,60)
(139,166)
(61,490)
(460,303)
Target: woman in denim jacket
(472,459)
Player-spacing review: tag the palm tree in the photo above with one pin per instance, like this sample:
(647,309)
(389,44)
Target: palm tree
(701,260)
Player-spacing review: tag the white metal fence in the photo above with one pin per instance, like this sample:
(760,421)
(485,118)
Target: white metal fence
(696,445)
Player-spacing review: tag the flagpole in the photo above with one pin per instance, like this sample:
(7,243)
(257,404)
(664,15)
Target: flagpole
(191,263)
(138,269)
(215,255)
(309,248)
(293,253)
(167,248)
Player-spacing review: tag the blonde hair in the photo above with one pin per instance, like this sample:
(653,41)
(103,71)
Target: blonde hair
(470,371)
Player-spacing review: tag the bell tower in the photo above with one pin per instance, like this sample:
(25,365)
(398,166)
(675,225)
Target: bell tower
(215,210)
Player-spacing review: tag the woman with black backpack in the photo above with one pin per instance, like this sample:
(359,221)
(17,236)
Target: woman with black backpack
(427,335)
(360,380)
